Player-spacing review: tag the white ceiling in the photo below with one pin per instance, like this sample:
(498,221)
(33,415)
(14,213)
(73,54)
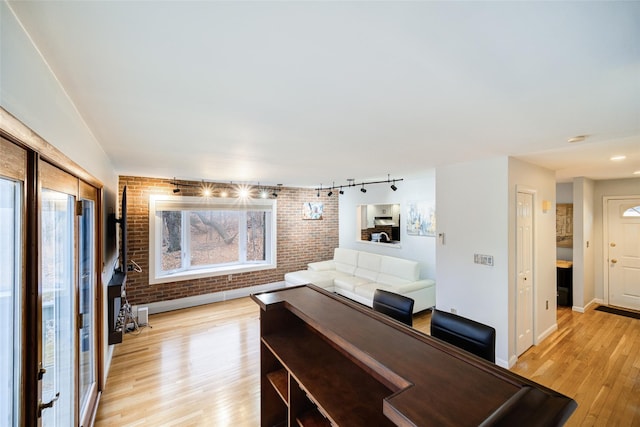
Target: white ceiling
(304,93)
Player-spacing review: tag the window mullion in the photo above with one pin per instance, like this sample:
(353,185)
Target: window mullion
(242,236)
(185,243)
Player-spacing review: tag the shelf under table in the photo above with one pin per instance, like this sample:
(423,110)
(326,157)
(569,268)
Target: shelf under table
(341,389)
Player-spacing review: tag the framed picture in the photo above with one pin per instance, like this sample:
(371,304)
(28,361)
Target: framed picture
(421,218)
(311,210)
(564,225)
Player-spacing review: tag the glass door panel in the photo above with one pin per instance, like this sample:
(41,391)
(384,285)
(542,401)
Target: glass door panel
(10,296)
(86,304)
(57,291)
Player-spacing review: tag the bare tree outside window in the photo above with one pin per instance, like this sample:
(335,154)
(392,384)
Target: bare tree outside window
(256,236)
(213,237)
(171,240)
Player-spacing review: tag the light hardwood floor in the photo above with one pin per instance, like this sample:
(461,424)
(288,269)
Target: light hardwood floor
(200,367)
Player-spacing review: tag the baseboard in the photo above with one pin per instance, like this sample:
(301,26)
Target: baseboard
(545,334)
(586,307)
(179,303)
(504,364)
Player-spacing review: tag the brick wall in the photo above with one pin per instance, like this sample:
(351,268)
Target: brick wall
(299,241)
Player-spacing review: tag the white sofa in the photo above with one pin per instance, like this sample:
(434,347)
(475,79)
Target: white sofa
(357,274)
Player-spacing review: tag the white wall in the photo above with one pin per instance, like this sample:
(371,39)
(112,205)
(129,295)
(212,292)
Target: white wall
(472,213)
(417,248)
(31,93)
(476,212)
(583,244)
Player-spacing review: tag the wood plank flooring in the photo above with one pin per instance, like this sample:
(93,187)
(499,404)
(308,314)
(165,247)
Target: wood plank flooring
(200,367)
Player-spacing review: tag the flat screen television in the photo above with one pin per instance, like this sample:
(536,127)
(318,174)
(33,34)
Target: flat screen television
(122,265)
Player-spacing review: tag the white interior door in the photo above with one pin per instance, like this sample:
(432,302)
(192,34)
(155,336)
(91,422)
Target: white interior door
(624,252)
(524,262)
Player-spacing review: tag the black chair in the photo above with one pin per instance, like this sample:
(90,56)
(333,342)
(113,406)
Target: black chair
(464,333)
(393,305)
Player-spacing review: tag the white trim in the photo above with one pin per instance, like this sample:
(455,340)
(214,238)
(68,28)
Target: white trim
(545,334)
(586,307)
(179,303)
(507,365)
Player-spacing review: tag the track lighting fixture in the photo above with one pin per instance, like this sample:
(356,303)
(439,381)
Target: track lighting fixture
(177,189)
(330,193)
(211,189)
(393,184)
(276,190)
(351,183)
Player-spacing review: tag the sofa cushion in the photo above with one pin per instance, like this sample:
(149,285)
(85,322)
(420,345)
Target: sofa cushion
(345,260)
(367,290)
(323,279)
(349,283)
(392,269)
(368,266)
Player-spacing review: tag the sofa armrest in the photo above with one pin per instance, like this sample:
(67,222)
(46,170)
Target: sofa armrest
(414,286)
(322,265)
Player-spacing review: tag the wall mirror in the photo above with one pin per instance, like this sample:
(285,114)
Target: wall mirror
(379,223)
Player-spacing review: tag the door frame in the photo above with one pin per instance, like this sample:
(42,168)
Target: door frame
(605,241)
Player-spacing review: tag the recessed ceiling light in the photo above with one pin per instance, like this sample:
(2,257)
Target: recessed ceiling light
(617,158)
(578,138)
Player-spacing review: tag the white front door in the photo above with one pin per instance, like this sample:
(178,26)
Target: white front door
(524,262)
(624,252)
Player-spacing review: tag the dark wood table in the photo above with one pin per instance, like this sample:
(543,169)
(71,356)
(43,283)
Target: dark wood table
(327,360)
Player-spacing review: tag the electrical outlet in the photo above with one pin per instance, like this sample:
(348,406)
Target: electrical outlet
(229,277)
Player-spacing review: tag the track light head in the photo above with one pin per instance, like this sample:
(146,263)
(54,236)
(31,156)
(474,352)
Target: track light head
(330,193)
(274,194)
(393,187)
(341,191)
(364,190)
(176,190)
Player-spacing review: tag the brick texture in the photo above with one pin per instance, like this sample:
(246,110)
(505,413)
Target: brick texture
(299,241)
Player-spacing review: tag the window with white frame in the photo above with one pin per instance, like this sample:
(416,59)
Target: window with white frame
(193,237)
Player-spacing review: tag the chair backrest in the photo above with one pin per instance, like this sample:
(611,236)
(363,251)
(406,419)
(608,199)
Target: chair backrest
(464,333)
(394,305)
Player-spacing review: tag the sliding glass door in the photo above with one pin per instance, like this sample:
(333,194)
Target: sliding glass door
(50,266)
(87,340)
(12,281)
(57,271)
(10,296)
